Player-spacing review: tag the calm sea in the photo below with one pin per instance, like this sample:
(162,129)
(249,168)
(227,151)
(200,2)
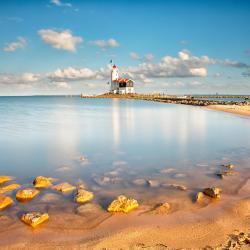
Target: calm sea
(122,139)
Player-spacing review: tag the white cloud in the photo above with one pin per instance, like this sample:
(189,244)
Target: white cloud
(30,77)
(72,74)
(61,85)
(19,44)
(149,57)
(104,44)
(60,3)
(185,65)
(183,55)
(61,40)
(134,56)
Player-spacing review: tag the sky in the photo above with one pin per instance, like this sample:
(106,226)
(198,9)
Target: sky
(172,46)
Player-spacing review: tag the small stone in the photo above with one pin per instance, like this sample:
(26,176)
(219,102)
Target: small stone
(213,192)
(229,166)
(8,188)
(153,183)
(83,158)
(81,184)
(83,196)
(199,196)
(114,173)
(26,194)
(51,197)
(123,204)
(180,175)
(222,174)
(167,170)
(5,202)
(177,186)
(4,179)
(42,182)
(139,182)
(163,208)
(64,187)
(34,218)
(105,180)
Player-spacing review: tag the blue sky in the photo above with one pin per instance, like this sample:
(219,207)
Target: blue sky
(64,46)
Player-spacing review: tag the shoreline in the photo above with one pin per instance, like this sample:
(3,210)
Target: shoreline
(212,226)
(233,109)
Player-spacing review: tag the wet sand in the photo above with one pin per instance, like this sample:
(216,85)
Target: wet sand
(206,224)
(235,109)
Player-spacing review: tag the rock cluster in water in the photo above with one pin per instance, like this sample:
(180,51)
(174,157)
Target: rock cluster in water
(83,196)
(42,182)
(5,201)
(8,188)
(120,204)
(64,187)
(123,204)
(4,179)
(26,194)
(34,218)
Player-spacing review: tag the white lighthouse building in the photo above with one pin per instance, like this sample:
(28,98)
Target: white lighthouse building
(120,85)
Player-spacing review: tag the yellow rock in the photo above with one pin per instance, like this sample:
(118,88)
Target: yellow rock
(42,182)
(34,218)
(123,204)
(9,188)
(64,187)
(199,196)
(83,196)
(163,208)
(4,179)
(26,194)
(5,201)
(213,192)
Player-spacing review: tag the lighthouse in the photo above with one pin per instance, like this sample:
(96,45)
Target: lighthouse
(120,85)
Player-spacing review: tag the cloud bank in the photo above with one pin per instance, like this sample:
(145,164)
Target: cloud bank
(19,44)
(61,40)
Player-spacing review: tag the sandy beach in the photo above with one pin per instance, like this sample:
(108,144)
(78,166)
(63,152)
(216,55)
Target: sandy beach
(213,225)
(235,109)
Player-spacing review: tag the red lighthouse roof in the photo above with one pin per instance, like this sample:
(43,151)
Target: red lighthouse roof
(114,66)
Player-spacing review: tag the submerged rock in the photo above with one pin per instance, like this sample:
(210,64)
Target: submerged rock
(153,183)
(42,182)
(180,175)
(167,170)
(123,204)
(105,180)
(5,202)
(213,192)
(83,196)
(51,197)
(26,194)
(64,187)
(224,173)
(34,218)
(199,196)
(83,158)
(81,184)
(139,182)
(163,208)
(10,187)
(4,179)
(180,187)
(229,166)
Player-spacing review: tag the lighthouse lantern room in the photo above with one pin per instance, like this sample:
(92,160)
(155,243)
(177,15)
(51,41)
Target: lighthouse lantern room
(120,85)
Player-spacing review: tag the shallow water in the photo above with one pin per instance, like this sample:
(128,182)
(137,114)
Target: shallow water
(123,140)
